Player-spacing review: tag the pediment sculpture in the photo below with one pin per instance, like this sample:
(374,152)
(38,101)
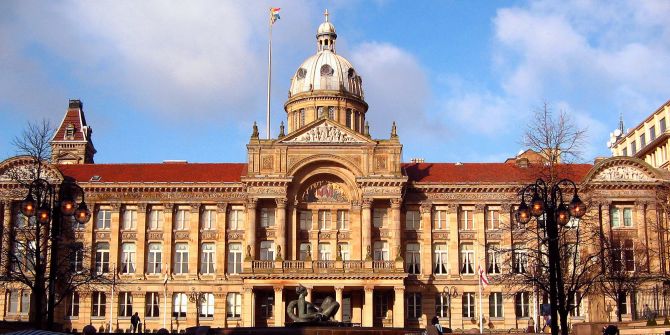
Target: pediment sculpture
(325,133)
(622,173)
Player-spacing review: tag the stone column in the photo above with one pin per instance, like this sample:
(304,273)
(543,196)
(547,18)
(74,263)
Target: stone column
(366,227)
(367,307)
(338,298)
(293,232)
(141,239)
(399,307)
(396,246)
(279,306)
(194,240)
(426,239)
(221,254)
(280,225)
(115,233)
(248,306)
(355,226)
(220,309)
(167,238)
(6,229)
(250,228)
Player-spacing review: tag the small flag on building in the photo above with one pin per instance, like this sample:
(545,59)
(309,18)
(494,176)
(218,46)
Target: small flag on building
(483,278)
(274,15)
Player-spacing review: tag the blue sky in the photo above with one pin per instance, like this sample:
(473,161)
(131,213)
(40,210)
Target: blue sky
(185,80)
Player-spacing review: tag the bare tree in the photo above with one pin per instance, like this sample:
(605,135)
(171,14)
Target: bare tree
(33,142)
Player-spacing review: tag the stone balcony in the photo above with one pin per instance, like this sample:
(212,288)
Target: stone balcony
(319,266)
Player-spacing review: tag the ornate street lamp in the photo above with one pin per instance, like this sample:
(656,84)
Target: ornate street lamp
(548,200)
(47,206)
(449,292)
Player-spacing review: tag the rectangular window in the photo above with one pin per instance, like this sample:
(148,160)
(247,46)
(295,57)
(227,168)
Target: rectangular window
(179,305)
(381,251)
(442,305)
(344,251)
(623,255)
(623,303)
(233,305)
(77,257)
(381,305)
(25,302)
(125,305)
(103,219)
(466,219)
(207,258)
(207,305)
(102,257)
(13,307)
(129,219)
(267,303)
(267,251)
(413,258)
(652,133)
(128,251)
(441,260)
(348,120)
(208,219)
(661,125)
(99,304)
(155,258)
(342,219)
(305,220)
(624,152)
(412,220)
(468,305)
(621,216)
(628,217)
(467,259)
(493,258)
(155,219)
(180,258)
(331,113)
(495,305)
(574,305)
(182,218)
(633,148)
(319,112)
(521,304)
(304,251)
(492,218)
(72,305)
(302,117)
(643,141)
(267,217)
(324,251)
(413,305)
(519,259)
(152,304)
(234,258)
(380,217)
(440,219)
(236,219)
(324,219)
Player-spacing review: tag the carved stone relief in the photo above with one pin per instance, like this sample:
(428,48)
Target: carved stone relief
(324,191)
(622,173)
(325,133)
(380,162)
(267,163)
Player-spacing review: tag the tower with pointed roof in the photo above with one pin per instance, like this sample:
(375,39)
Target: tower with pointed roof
(72,142)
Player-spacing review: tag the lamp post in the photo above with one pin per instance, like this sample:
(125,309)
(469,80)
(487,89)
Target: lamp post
(49,204)
(547,199)
(449,292)
(196,297)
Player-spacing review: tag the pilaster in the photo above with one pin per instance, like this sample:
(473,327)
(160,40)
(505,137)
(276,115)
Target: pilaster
(399,307)
(279,306)
(168,210)
(280,225)
(426,239)
(248,307)
(114,236)
(366,226)
(338,298)
(141,239)
(194,240)
(395,228)
(221,254)
(250,228)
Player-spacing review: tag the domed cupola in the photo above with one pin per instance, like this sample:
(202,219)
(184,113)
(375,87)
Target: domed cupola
(331,85)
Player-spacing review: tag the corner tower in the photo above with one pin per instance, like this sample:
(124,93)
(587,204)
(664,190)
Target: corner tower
(72,143)
(326,86)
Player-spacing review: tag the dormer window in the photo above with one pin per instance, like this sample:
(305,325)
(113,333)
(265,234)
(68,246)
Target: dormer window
(69,132)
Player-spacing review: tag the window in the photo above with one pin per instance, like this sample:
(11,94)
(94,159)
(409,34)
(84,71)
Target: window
(520,259)
(344,251)
(342,219)
(77,257)
(381,305)
(155,219)
(207,258)
(72,305)
(22,221)
(495,305)
(13,306)
(180,258)
(467,259)
(236,219)
(319,112)
(380,217)
(233,305)
(493,258)
(25,302)
(129,219)
(381,251)
(468,305)
(521,304)
(623,303)
(440,219)
(661,125)
(324,251)
(128,258)
(643,141)
(492,218)
(99,304)
(103,219)
(208,219)
(267,217)
(412,220)
(413,258)
(623,255)
(152,304)
(331,113)
(267,302)
(155,258)
(441,305)
(466,219)
(348,120)
(182,217)
(324,219)
(179,304)
(652,133)
(413,305)
(304,251)
(305,220)
(267,251)
(616,213)
(234,258)
(102,257)
(574,305)
(633,148)
(302,117)
(125,305)
(441,261)
(207,305)
(624,152)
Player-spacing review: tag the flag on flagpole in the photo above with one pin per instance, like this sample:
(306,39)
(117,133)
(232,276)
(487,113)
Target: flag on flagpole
(274,15)
(483,277)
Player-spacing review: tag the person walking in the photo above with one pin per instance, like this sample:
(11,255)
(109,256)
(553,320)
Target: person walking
(135,321)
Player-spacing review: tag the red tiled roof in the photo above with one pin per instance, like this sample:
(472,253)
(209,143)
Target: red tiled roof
(156,173)
(72,116)
(483,172)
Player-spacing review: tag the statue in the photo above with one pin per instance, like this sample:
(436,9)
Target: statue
(308,312)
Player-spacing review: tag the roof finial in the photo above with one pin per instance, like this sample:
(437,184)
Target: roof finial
(326,15)
(621,122)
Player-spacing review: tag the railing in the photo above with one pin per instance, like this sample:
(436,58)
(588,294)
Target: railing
(322,266)
(263,265)
(385,265)
(354,265)
(294,265)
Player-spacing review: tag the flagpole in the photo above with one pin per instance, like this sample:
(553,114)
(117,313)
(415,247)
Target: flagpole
(269,74)
(165,298)
(481,317)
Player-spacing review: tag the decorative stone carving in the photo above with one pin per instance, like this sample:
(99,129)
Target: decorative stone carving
(251,203)
(102,235)
(467,235)
(366,203)
(78,236)
(221,207)
(265,233)
(380,162)
(395,202)
(209,235)
(440,235)
(493,235)
(426,207)
(325,133)
(272,190)
(267,163)
(324,191)
(142,207)
(281,202)
(343,235)
(129,236)
(181,235)
(155,235)
(381,191)
(479,208)
(622,173)
(235,235)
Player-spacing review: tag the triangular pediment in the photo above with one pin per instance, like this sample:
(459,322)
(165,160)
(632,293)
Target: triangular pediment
(623,169)
(325,131)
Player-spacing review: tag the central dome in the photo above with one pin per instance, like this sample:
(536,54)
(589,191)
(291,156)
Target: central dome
(326,70)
